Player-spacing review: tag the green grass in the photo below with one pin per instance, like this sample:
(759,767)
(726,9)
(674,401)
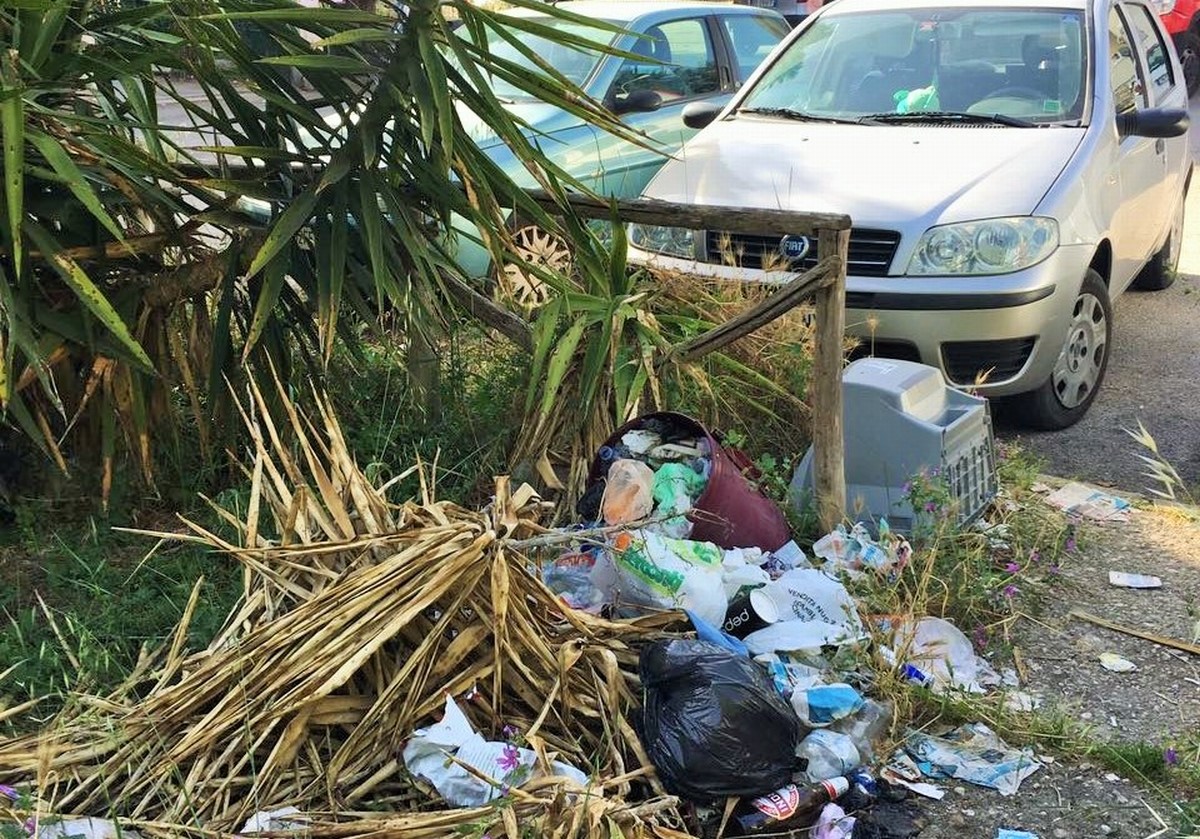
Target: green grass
(80,600)
(481,382)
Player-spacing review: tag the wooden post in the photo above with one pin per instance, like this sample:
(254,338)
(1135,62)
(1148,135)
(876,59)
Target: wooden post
(829,471)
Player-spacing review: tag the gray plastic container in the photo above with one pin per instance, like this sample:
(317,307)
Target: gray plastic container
(901,417)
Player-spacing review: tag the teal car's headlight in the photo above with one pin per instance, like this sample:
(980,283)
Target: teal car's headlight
(671,241)
(991,246)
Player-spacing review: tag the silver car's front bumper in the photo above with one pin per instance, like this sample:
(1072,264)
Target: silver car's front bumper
(941,320)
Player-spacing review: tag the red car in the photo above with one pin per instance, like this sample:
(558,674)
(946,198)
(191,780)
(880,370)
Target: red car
(1183,22)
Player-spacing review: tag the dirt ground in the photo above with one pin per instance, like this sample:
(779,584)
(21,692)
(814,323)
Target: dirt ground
(1158,703)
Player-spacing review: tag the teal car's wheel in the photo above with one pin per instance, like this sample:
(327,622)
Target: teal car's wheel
(536,246)
(1065,397)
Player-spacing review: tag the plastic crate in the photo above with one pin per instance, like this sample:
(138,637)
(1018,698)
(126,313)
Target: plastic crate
(901,418)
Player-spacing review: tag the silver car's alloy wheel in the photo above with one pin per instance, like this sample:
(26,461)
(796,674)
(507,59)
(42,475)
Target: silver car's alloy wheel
(538,247)
(1081,361)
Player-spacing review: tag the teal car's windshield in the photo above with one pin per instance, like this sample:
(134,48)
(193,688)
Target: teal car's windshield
(1020,66)
(572,62)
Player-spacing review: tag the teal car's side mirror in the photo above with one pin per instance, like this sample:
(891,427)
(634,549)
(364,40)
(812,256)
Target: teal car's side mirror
(637,102)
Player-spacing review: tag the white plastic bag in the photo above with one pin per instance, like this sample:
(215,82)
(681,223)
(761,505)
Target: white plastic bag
(670,574)
(816,611)
(425,756)
(740,570)
(938,648)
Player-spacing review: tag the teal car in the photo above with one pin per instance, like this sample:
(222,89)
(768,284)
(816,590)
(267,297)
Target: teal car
(686,52)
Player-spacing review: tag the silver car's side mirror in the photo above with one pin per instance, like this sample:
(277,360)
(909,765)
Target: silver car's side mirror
(1153,122)
(700,114)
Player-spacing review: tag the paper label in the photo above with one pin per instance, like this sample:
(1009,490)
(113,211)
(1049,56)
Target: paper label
(779,805)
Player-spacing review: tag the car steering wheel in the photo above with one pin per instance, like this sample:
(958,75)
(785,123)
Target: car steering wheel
(1018,91)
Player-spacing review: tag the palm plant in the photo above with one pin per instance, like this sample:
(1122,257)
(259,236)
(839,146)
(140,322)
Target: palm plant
(131,287)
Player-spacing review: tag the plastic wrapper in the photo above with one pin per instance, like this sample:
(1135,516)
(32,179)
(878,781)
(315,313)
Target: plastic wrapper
(582,579)
(713,723)
(504,764)
(818,706)
(627,493)
(675,489)
(829,754)
(972,753)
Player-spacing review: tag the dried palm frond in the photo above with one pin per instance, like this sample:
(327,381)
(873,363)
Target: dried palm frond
(358,617)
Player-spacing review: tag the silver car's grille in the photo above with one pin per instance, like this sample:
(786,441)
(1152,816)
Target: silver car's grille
(871,251)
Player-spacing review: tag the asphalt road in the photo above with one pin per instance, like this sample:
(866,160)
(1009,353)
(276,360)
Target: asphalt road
(1153,377)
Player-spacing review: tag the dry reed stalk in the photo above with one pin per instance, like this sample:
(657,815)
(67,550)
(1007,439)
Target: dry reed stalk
(358,617)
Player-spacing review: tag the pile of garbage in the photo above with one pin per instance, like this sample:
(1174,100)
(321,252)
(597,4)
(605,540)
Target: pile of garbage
(757,707)
(479,672)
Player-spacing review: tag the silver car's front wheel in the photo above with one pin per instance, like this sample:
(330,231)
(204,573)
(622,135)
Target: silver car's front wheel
(1082,359)
(1081,362)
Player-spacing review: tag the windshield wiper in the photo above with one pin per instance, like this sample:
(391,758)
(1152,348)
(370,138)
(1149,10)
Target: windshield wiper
(792,113)
(949,116)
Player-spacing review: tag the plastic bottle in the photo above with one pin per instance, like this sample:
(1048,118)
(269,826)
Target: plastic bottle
(867,727)
(789,808)
(829,754)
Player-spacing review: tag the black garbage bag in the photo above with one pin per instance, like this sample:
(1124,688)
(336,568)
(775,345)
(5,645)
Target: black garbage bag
(713,722)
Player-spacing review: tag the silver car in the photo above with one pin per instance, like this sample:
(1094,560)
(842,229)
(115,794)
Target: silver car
(1010,168)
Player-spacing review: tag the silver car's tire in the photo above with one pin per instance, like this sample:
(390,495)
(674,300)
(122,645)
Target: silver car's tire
(1160,271)
(1065,397)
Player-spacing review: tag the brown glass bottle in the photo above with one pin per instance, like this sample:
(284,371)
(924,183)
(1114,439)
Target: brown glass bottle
(789,808)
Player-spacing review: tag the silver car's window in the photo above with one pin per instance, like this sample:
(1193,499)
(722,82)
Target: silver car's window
(1150,43)
(1028,64)
(677,62)
(1128,91)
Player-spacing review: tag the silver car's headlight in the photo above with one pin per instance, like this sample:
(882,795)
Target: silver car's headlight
(671,241)
(991,246)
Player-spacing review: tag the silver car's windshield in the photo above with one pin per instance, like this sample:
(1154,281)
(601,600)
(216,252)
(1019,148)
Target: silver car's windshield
(1024,66)
(574,62)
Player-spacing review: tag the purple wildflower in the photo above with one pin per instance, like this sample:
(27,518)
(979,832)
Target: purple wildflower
(509,759)
(1010,591)
(980,636)
(1012,568)
(509,732)
(9,792)
(930,506)
(907,488)
(1170,757)
(1054,569)
(31,826)
(1069,546)
(1035,555)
